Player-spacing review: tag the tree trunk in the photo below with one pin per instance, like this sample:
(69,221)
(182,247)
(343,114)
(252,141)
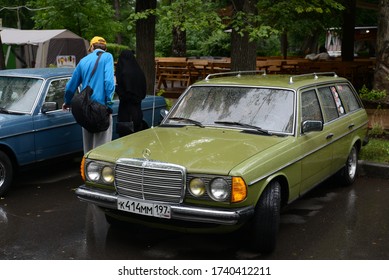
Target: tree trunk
(116,6)
(284,44)
(381,74)
(348,30)
(179,42)
(243,51)
(2,59)
(145,43)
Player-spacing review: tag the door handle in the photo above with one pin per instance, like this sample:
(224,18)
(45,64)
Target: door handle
(351,126)
(329,136)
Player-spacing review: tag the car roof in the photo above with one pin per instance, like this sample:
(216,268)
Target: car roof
(38,72)
(270,80)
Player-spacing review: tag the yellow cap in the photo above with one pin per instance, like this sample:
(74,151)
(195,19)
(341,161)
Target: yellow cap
(97,40)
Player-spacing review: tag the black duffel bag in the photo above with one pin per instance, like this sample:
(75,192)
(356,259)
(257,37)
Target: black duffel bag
(90,114)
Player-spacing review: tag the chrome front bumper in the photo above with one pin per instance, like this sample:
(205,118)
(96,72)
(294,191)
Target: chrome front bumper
(178,212)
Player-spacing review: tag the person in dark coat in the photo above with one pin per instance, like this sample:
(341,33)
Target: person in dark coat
(131,88)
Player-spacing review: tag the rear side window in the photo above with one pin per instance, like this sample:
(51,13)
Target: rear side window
(348,98)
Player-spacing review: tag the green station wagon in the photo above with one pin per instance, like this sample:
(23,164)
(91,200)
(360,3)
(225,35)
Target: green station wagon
(233,150)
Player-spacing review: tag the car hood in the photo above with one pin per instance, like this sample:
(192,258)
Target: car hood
(213,150)
(11,123)
(5,118)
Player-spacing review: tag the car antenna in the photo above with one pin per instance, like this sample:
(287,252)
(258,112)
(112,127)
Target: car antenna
(154,89)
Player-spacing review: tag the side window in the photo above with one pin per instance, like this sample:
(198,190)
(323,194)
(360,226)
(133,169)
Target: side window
(56,92)
(348,98)
(338,101)
(327,100)
(310,108)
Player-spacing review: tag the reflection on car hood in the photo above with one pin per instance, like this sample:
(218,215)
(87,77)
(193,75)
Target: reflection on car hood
(198,149)
(11,119)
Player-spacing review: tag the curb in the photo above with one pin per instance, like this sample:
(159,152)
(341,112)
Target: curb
(373,169)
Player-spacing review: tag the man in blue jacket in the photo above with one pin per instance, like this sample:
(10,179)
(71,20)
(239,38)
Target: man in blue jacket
(102,83)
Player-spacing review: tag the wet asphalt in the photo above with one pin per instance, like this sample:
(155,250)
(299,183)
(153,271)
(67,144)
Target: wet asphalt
(42,219)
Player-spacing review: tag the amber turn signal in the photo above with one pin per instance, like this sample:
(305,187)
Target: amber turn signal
(82,169)
(239,189)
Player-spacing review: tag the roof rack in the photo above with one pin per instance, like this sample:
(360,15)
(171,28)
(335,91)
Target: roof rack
(237,73)
(315,75)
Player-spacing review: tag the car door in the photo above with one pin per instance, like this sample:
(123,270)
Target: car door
(316,145)
(339,124)
(352,121)
(56,131)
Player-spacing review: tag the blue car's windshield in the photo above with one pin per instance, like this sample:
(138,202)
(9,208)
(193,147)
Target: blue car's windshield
(18,94)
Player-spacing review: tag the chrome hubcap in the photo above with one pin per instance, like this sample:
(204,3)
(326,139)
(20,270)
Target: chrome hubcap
(352,163)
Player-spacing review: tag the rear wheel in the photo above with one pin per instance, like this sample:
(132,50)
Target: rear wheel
(266,219)
(349,171)
(6,173)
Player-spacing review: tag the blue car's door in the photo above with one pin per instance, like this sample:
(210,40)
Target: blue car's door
(56,132)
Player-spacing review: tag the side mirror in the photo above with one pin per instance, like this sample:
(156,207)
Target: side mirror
(308,126)
(49,106)
(163,113)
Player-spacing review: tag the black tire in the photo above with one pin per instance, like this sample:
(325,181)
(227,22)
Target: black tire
(266,219)
(349,172)
(115,223)
(6,173)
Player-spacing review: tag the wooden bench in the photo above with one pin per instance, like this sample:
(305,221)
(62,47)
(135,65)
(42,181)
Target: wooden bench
(201,66)
(218,67)
(175,76)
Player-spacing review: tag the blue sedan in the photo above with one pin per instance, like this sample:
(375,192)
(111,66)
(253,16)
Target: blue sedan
(33,125)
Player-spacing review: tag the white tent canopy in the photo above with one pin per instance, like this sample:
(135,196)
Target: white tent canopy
(40,48)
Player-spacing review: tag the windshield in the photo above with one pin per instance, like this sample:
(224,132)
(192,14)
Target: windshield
(266,108)
(18,94)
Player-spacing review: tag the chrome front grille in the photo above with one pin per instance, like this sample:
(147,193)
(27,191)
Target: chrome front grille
(150,180)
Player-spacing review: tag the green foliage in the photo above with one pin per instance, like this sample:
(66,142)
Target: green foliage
(85,18)
(377,130)
(116,49)
(198,18)
(377,150)
(217,44)
(290,14)
(198,15)
(269,46)
(12,16)
(371,95)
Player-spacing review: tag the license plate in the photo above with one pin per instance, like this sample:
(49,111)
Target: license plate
(144,208)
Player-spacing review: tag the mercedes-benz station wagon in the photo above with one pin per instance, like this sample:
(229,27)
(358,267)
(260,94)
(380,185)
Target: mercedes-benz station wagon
(233,150)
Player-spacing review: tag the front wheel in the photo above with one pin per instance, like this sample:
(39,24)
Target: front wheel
(349,172)
(6,173)
(266,219)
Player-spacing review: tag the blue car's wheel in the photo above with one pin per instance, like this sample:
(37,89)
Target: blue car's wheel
(6,173)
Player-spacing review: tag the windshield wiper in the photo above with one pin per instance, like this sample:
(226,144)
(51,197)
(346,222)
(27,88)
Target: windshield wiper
(245,125)
(187,120)
(4,110)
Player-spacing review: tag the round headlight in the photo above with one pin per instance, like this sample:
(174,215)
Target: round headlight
(93,171)
(219,189)
(196,187)
(107,174)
